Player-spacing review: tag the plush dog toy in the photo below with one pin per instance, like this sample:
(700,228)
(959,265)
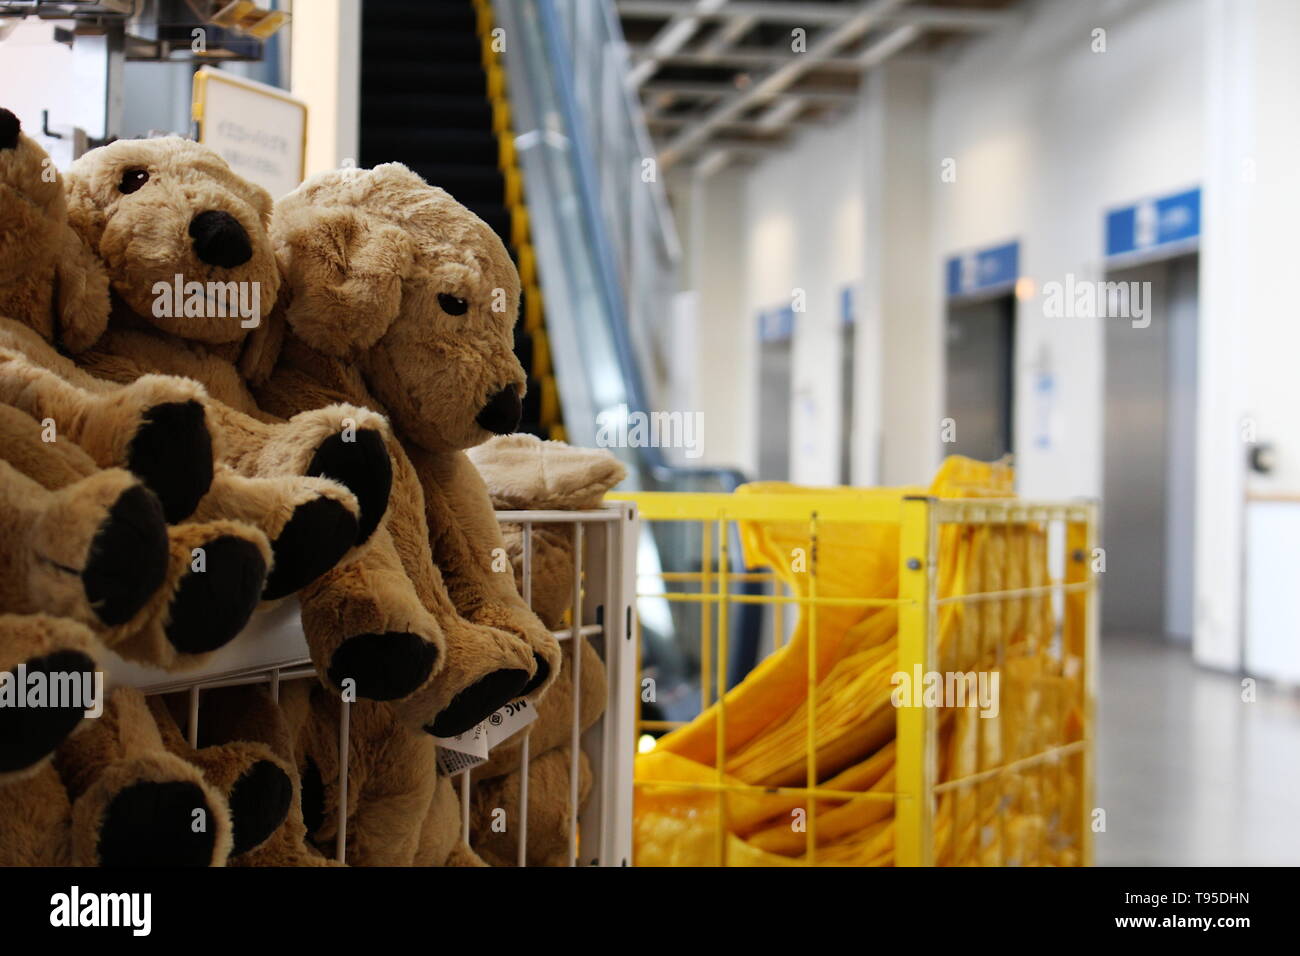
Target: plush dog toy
(140,239)
(523,473)
(118,798)
(153,602)
(401,299)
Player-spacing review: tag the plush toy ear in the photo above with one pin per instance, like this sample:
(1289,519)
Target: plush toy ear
(344,272)
(81,310)
(262,347)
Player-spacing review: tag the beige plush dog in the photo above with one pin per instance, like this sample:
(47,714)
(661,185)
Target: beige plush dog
(399,298)
(139,236)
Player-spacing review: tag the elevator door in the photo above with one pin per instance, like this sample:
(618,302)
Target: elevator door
(1148,502)
(980,350)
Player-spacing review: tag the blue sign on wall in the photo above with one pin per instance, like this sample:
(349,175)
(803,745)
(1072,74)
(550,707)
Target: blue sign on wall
(1153,223)
(984,270)
(776,325)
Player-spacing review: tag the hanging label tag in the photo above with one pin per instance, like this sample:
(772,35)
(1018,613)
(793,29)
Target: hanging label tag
(508,720)
(466,751)
(452,762)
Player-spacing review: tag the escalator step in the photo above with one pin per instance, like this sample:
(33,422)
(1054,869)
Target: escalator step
(426,109)
(467,183)
(421,46)
(410,14)
(379,75)
(433,145)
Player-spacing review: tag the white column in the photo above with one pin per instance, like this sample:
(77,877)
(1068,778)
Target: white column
(325,71)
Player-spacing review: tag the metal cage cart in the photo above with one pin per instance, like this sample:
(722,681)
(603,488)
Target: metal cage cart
(272,650)
(972,589)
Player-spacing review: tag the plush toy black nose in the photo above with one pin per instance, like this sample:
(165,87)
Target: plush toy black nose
(502,412)
(9,127)
(220,240)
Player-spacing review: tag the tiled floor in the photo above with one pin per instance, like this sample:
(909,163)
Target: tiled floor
(1188,773)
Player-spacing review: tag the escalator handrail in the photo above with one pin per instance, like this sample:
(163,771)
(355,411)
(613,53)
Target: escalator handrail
(611,284)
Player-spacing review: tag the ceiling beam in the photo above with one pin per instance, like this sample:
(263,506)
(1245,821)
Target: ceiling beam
(672,36)
(932,17)
(718,90)
(826,44)
(749,58)
(734,126)
(728,35)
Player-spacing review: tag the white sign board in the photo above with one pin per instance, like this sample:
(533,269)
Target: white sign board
(261,131)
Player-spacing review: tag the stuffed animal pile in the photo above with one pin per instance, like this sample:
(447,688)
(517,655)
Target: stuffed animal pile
(209,403)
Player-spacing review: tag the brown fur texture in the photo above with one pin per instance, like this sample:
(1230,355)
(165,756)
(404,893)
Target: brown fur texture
(53,646)
(523,473)
(248,713)
(156,632)
(52,539)
(35,820)
(133,803)
(399,298)
(256,783)
(392,773)
(550,810)
(138,238)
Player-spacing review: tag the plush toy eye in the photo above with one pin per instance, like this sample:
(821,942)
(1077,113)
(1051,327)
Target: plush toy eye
(452,305)
(132,180)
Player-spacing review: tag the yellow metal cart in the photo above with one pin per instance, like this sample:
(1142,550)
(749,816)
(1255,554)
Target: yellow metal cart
(982,586)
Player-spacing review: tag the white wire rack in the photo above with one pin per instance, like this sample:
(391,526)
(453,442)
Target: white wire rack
(272,649)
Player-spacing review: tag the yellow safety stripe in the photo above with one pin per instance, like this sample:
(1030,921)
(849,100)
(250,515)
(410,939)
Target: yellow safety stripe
(520,226)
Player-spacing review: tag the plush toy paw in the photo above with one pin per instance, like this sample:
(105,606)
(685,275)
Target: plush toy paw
(342,442)
(94,551)
(256,783)
(311,522)
(215,577)
(156,427)
(154,811)
(484,670)
(133,803)
(367,631)
(32,645)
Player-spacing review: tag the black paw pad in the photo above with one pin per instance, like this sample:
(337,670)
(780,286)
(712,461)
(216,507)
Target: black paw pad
(384,666)
(128,557)
(28,734)
(539,676)
(172,454)
(9,129)
(364,468)
(259,802)
(155,824)
(315,538)
(211,606)
(477,701)
(313,797)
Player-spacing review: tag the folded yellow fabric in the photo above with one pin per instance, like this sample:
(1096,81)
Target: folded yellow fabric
(683,801)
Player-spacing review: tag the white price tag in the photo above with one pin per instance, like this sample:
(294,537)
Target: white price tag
(508,720)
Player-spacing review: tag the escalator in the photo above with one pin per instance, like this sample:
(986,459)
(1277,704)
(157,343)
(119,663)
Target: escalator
(433,97)
(544,138)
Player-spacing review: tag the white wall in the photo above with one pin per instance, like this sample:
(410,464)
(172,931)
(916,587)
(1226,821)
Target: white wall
(805,232)
(712,215)
(1047,134)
